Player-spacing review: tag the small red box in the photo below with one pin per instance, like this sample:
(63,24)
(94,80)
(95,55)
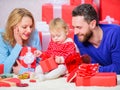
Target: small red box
(100,79)
(48,64)
(1,68)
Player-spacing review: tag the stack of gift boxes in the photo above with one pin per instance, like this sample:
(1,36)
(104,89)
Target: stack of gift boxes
(106,9)
(44,34)
(64,11)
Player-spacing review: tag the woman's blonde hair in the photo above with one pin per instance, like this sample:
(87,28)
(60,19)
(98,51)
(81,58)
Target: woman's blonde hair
(57,24)
(14,18)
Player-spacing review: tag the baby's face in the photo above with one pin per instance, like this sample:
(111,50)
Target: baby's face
(58,36)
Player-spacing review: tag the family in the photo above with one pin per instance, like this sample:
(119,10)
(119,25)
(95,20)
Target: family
(101,42)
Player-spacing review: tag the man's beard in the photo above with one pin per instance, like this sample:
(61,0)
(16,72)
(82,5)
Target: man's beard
(86,37)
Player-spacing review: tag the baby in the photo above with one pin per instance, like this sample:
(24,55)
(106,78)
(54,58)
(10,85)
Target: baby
(60,46)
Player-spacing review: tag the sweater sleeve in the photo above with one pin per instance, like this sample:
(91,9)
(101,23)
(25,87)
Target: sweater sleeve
(114,48)
(8,55)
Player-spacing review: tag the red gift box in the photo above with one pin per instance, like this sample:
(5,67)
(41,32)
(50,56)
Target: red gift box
(109,8)
(99,79)
(27,58)
(48,64)
(8,82)
(50,11)
(83,70)
(87,75)
(1,68)
(78,2)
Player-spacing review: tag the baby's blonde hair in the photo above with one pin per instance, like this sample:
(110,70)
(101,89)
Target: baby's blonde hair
(57,24)
(14,18)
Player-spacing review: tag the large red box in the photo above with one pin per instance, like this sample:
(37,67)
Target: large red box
(99,79)
(109,8)
(48,64)
(1,68)
(50,11)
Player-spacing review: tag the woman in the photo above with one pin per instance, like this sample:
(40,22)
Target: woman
(20,31)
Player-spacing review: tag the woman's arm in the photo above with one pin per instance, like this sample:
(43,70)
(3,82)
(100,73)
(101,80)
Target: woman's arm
(8,55)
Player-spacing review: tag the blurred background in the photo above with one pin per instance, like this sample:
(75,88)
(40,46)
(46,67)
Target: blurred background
(35,6)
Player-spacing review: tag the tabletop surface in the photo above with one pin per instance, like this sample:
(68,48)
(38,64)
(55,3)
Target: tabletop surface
(60,84)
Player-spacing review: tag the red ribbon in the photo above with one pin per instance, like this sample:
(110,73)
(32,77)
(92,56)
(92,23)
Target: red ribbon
(84,70)
(87,70)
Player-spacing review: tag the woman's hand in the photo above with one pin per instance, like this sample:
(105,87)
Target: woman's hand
(17,68)
(17,36)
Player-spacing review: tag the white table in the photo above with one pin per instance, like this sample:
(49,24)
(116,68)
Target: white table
(60,84)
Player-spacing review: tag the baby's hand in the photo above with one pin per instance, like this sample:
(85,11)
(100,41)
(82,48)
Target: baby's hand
(37,53)
(59,59)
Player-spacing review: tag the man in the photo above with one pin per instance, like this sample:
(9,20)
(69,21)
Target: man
(100,42)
